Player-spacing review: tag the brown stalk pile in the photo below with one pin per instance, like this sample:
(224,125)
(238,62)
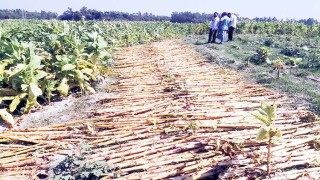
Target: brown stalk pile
(172,114)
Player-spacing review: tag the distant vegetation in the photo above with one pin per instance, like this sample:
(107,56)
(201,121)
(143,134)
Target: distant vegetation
(92,14)
(22,14)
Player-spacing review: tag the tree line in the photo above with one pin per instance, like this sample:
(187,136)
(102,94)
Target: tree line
(91,14)
(22,14)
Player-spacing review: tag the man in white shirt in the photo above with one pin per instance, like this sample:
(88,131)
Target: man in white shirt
(232,26)
(214,25)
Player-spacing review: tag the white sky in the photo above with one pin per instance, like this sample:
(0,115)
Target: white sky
(245,8)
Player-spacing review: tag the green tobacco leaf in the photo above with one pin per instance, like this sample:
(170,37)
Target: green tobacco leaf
(16,101)
(278,133)
(90,89)
(275,132)
(262,118)
(104,55)
(2,68)
(49,86)
(89,72)
(14,70)
(97,172)
(86,64)
(262,134)
(35,61)
(270,110)
(63,88)
(40,74)
(68,67)
(34,92)
(7,117)
(24,87)
(30,102)
(81,78)
(3,64)
(264,105)
(7,98)
(262,112)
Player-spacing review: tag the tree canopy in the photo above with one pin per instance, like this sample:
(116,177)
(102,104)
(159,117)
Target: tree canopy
(91,14)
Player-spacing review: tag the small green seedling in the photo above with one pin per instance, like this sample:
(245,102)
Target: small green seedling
(267,114)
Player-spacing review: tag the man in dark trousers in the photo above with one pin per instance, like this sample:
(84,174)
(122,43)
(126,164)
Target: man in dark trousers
(232,26)
(214,25)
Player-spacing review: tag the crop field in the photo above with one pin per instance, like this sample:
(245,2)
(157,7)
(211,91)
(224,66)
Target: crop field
(164,104)
(260,47)
(41,60)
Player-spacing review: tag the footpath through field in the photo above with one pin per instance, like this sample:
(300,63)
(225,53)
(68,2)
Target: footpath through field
(172,114)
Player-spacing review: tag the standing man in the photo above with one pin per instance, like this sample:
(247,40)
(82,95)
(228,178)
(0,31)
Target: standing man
(223,27)
(214,25)
(232,26)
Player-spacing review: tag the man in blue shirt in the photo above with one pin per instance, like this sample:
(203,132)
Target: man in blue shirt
(223,27)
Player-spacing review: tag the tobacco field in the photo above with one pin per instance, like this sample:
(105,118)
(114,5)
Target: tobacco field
(177,108)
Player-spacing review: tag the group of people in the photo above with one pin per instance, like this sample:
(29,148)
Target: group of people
(222,27)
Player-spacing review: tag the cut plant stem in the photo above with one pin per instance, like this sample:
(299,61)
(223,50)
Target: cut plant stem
(269,157)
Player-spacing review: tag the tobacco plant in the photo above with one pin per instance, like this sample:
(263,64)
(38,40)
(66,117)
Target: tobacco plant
(278,65)
(267,115)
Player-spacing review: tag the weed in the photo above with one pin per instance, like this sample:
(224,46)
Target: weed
(291,51)
(268,42)
(75,167)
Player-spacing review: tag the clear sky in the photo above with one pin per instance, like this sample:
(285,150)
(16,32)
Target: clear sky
(246,8)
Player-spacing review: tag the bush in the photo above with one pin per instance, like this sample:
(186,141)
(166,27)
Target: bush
(262,56)
(291,51)
(268,42)
(311,60)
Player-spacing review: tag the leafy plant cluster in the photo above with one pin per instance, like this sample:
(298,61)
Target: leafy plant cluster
(78,167)
(278,28)
(292,56)
(261,56)
(43,59)
(74,167)
(53,60)
(291,51)
(303,56)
